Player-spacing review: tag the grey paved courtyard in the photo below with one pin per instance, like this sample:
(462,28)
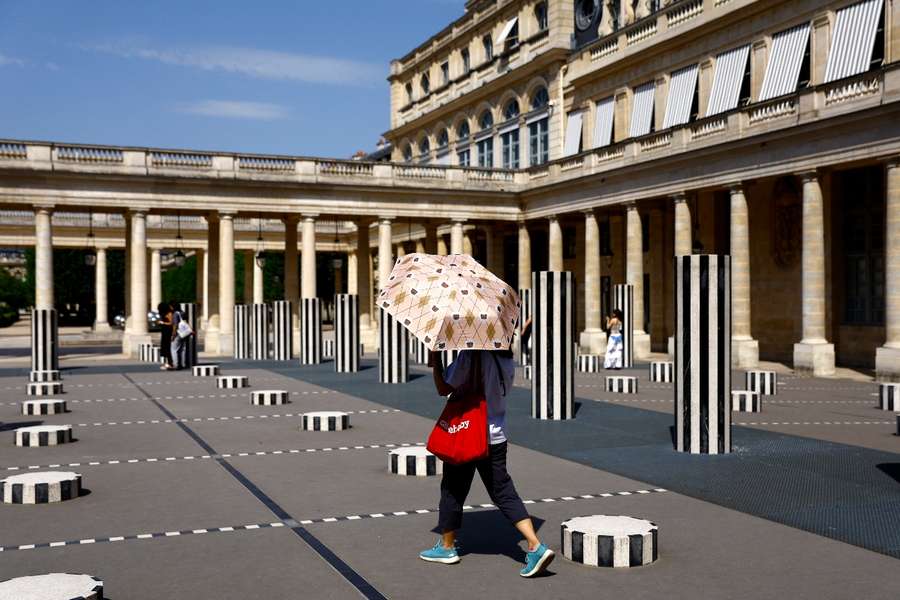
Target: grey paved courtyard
(192,492)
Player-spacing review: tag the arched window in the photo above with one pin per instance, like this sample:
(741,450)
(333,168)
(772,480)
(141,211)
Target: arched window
(425,83)
(462,131)
(443,139)
(486,121)
(424,147)
(540,99)
(511,111)
(407,153)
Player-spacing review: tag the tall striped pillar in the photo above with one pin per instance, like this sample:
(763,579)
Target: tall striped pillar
(242,331)
(346,333)
(259,328)
(418,350)
(192,316)
(282,342)
(623,299)
(44,340)
(393,360)
(553,335)
(703,354)
(310,331)
(526,308)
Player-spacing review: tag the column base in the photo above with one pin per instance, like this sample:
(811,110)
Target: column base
(745,353)
(815,358)
(225,344)
(132,341)
(641,344)
(592,341)
(887,365)
(102,328)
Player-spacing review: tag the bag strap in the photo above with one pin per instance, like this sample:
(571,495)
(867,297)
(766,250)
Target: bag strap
(499,372)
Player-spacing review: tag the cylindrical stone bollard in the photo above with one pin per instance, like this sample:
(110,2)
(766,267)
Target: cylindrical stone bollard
(622,384)
(414,460)
(662,372)
(282,338)
(44,340)
(147,352)
(745,401)
(553,333)
(43,376)
(192,316)
(226,382)
(527,309)
(40,487)
(589,363)
(703,354)
(889,396)
(205,370)
(623,299)
(610,541)
(269,397)
(43,407)
(310,331)
(326,420)
(259,331)
(763,382)
(328,348)
(53,586)
(242,331)
(48,388)
(346,333)
(43,435)
(393,359)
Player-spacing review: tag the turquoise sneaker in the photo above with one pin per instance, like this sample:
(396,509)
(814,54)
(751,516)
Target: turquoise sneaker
(439,554)
(537,561)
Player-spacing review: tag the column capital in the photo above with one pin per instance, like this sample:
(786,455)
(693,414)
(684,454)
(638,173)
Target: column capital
(134,212)
(891,162)
(553,218)
(630,206)
(589,212)
(679,197)
(735,187)
(459,220)
(808,175)
(309,217)
(290,218)
(386,220)
(227,215)
(44,207)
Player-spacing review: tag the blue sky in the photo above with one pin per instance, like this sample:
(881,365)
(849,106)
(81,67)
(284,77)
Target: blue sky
(288,77)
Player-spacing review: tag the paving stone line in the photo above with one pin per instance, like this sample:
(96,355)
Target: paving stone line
(193,397)
(254,526)
(235,418)
(767,401)
(816,423)
(131,461)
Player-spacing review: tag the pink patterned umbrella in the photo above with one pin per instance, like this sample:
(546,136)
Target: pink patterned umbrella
(451,302)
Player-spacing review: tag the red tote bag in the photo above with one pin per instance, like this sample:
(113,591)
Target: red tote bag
(461,432)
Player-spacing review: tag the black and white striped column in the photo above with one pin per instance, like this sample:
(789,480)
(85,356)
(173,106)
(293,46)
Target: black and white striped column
(43,435)
(662,372)
(745,401)
(328,348)
(418,350)
(393,359)
(703,354)
(623,299)
(40,488)
(527,309)
(763,382)
(192,316)
(610,541)
(448,356)
(226,382)
(43,407)
(44,341)
(325,420)
(259,331)
(553,335)
(589,363)
(416,461)
(346,333)
(269,397)
(43,376)
(242,331)
(622,384)
(310,331)
(205,370)
(46,388)
(889,396)
(282,342)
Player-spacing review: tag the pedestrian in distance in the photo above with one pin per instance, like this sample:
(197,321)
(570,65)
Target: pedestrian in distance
(179,342)
(614,347)
(492,373)
(165,335)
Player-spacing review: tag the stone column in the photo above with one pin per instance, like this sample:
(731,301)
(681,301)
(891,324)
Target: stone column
(226,283)
(101,318)
(258,278)
(211,341)
(431,238)
(468,248)
(593,338)
(442,246)
(200,286)
(556,246)
(247,293)
(813,355)
(155,279)
(128,315)
(291,280)
(634,276)
(524,257)
(683,240)
(494,245)
(308,259)
(385,260)
(138,285)
(401,250)
(368,334)
(456,237)
(887,357)
(744,349)
(43,258)
(352,275)
(420,246)
(338,277)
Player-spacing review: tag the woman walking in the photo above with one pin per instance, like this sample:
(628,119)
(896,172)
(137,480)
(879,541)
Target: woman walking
(165,334)
(614,346)
(494,371)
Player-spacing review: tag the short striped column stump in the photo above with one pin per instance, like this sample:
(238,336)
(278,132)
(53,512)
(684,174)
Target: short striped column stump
(622,384)
(889,396)
(148,353)
(527,372)
(225,382)
(43,435)
(662,372)
(327,348)
(43,376)
(414,460)
(43,407)
(53,586)
(326,420)
(745,401)
(40,488)
(205,370)
(268,397)
(763,382)
(47,388)
(589,363)
(610,541)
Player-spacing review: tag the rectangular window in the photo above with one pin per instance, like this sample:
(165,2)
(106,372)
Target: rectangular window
(732,68)
(409,93)
(604,118)
(785,62)
(573,133)
(540,13)
(682,89)
(643,109)
(445,73)
(462,158)
(509,36)
(538,142)
(486,152)
(509,142)
(466,67)
(488,48)
(853,40)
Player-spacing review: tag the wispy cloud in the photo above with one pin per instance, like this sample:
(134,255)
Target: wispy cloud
(234,109)
(253,62)
(11,61)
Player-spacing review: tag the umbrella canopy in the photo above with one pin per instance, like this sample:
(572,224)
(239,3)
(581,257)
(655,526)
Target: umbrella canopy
(451,302)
